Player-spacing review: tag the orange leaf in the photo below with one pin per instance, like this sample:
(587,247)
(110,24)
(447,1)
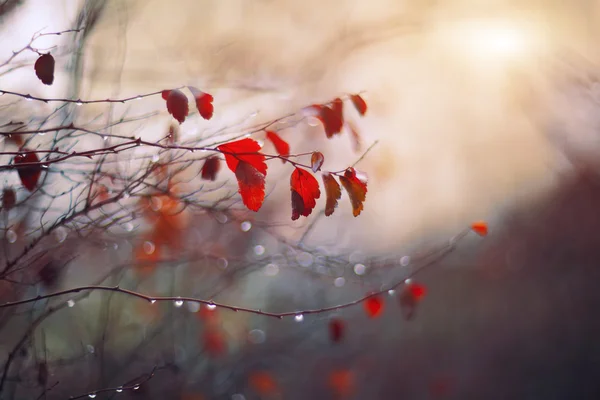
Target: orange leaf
(359,104)
(251,184)
(244,150)
(263,383)
(357,190)
(203,102)
(332,117)
(8,198)
(211,166)
(282,147)
(305,191)
(44,69)
(333,193)
(29,175)
(336,330)
(374,306)
(342,382)
(316,161)
(177,104)
(480,227)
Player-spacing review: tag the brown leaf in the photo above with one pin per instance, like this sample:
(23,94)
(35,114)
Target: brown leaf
(211,166)
(333,193)
(316,161)
(29,175)
(177,104)
(44,68)
(357,190)
(9,198)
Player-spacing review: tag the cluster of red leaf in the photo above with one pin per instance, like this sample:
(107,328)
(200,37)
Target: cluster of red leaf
(177,103)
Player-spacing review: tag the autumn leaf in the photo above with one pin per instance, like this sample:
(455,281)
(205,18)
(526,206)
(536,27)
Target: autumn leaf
(357,142)
(357,190)
(9,198)
(332,117)
(341,382)
(337,329)
(250,169)
(305,191)
(316,161)
(282,147)
(177,104)
(44,68)
(333,193)
(263,383)
(251,185)
(373,306)
(213,341)
(480,227)
(211,166)
(359,104)
(31,174)
(412,293)
(203,102)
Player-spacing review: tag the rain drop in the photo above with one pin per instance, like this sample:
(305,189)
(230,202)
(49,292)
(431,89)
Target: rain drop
(136,387)
(178,303)
(79,103)
(391,292)
(211,306)
(339,282)
(193,306)
(246,226)
(11,236)
(155,158)
(41,133)
(360,269)
(70,303)
(152,301)
(92,395)
(407,281)
(404,261)
(119,390)
(299,318)
(259,250)
(138,98)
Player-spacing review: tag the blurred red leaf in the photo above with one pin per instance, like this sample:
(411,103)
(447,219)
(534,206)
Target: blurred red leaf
(359,103)
(203,102)
(337,329)
(44,68)
(341,382)
(316,161)
(333,193)
(211,166)
(480,227)
(305,191)
(409,297)
(31,174)
(332,117)
(213,341)
(282,147)
(357,190)
(263,383)
(374,306)
(250,169)
(355,136)
(177,104)
(9,198)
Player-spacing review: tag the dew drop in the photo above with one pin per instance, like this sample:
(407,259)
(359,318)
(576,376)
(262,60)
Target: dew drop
(79,103)
(299,318)
(404,261)
(41,133)
(360,269)
(138,98)
(92,395)
(11,236)
(119,390)
(271,269)
(155,158)
(339,282)
(29,99)
(211,306)
(152,301)
(149,247)
(136,387)
(70,303)
(391,292)
(178,303)
(259,250)
(193,307)
(407,281)
(246,226)
(105,138)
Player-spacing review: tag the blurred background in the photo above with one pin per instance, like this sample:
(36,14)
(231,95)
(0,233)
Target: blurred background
(481,109)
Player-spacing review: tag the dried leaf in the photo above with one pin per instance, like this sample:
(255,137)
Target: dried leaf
(44,68)
(316,161)
(373,306)
(357,190)
(177,104)
(480,227)
(359,103)
(29,175)
(305,191)
(203,102)
(282,147)
(337,329)
(333,193)
(9,198)
(211,166)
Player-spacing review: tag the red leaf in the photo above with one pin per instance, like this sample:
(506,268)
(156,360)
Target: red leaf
(252,185)
(44,69)
(359,103)
(332,117)
(263,383)
(177,104)
(333,193)
(211,166)
(316,161)
(203,102)
(305,191)
(8,198)
(480,227)
(336,330)
(374,306)
(357,190)
(282,147)
(342,382)
(244,150)
(357,142)
(31,174)
(411,295)
(213,342)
